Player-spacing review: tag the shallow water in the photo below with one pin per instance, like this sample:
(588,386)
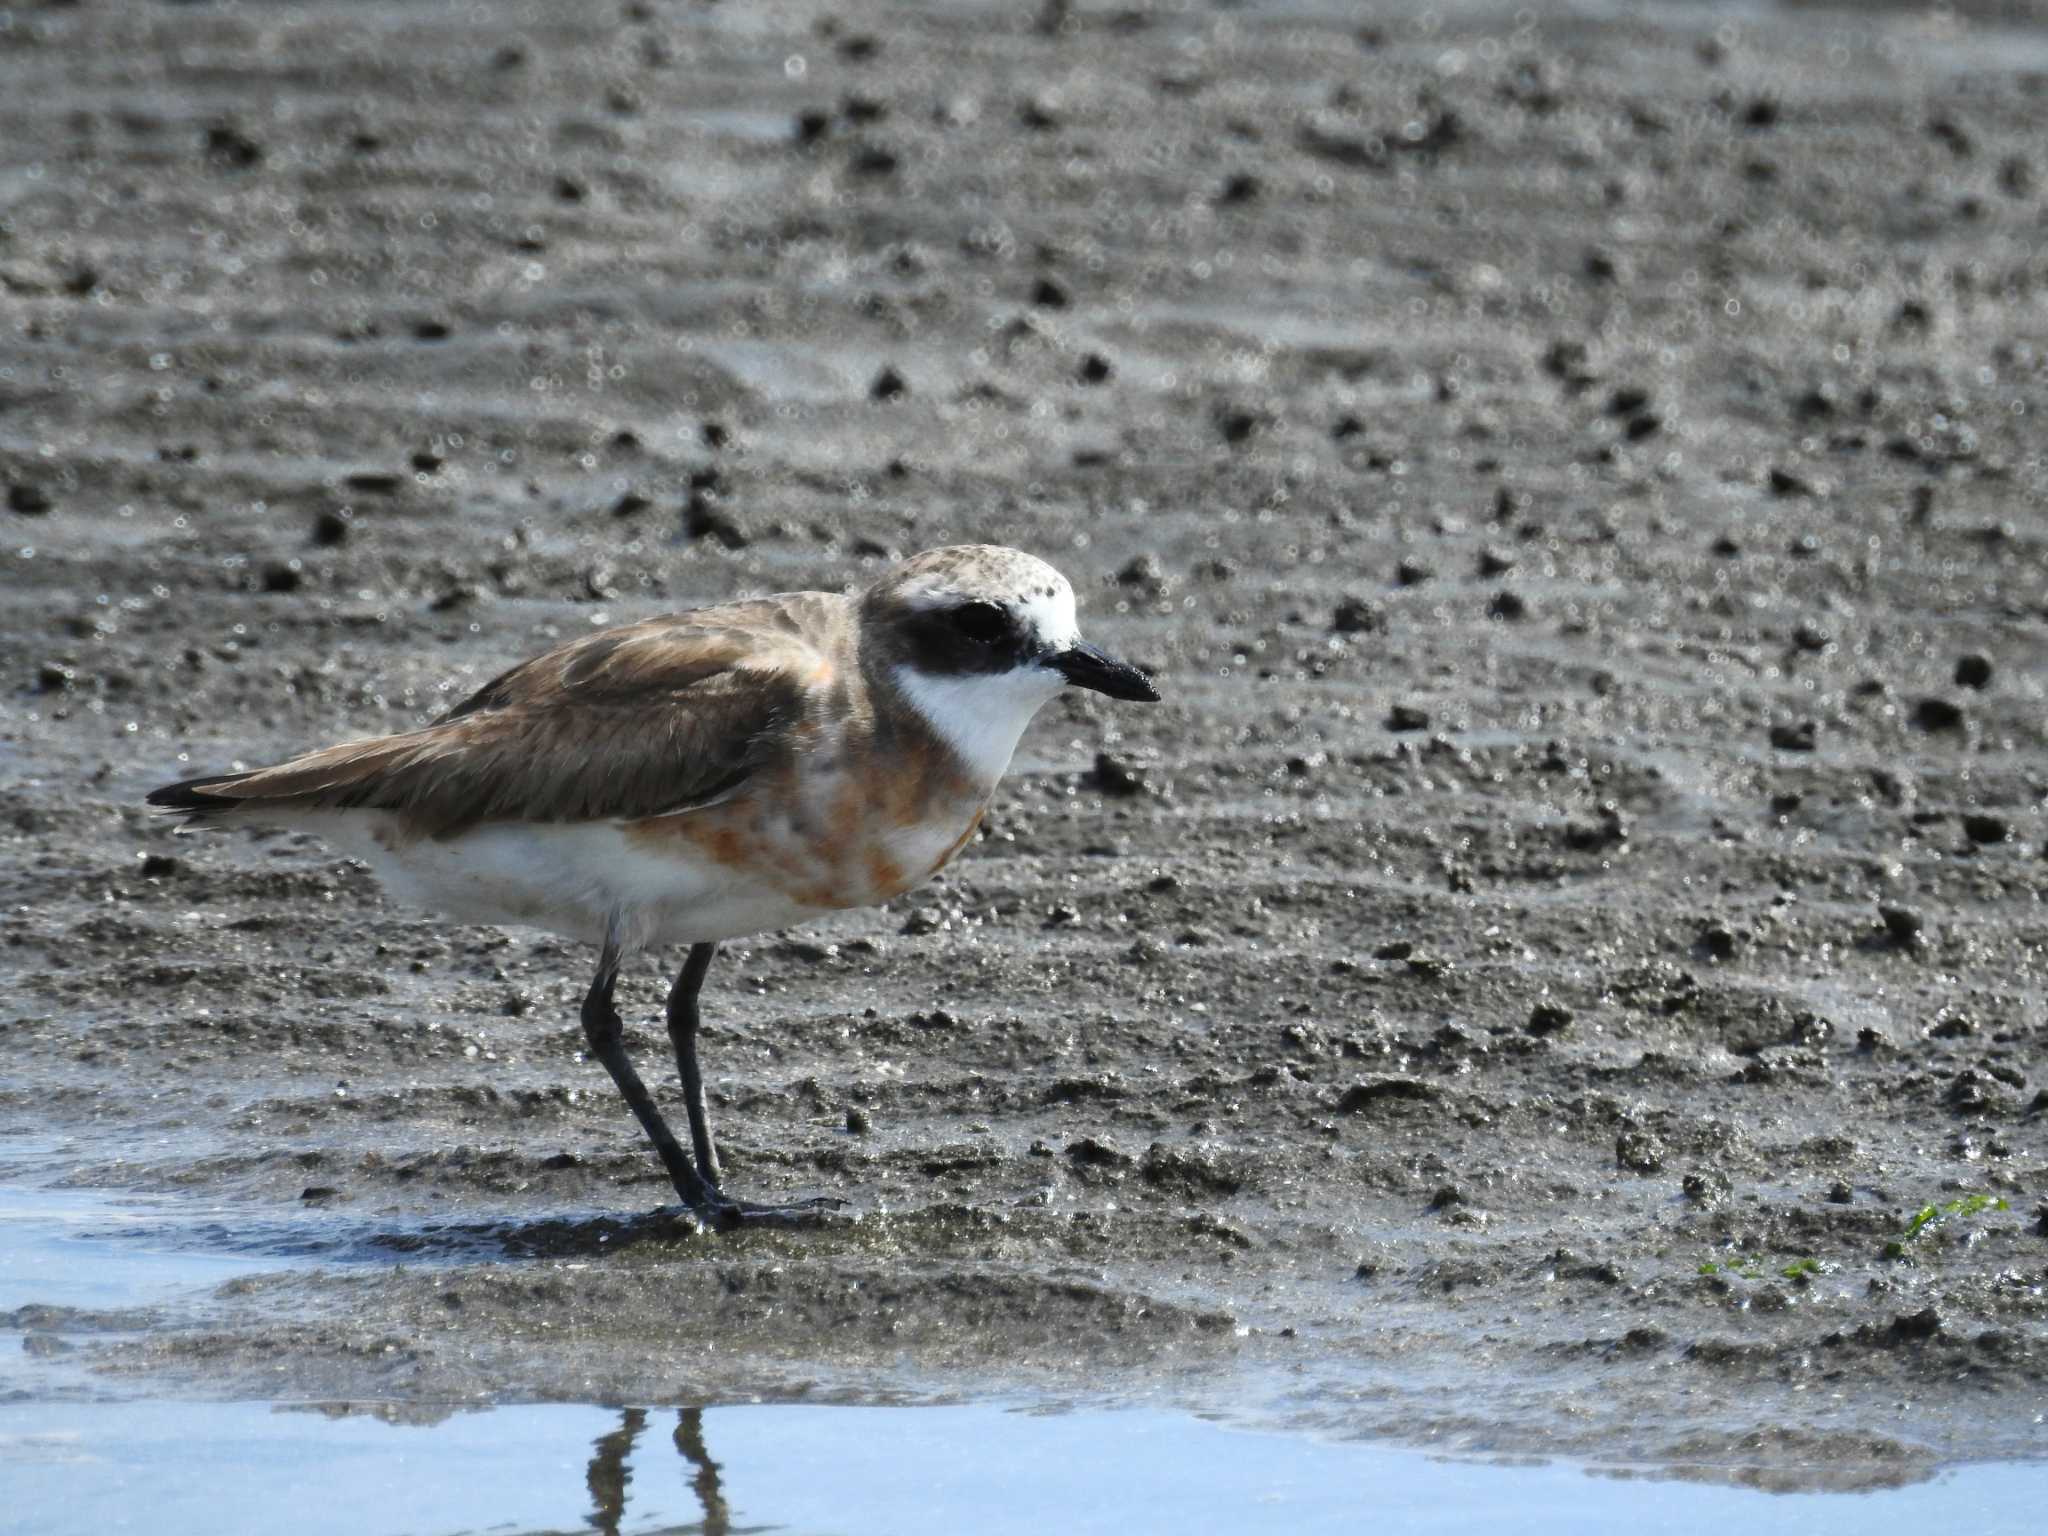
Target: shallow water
(101,1252)
(993,1469)
(75,1458)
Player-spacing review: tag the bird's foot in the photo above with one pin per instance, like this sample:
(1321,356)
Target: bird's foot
(723,1214)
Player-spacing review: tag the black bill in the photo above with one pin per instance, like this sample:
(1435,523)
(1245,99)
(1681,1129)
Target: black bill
(1086,667)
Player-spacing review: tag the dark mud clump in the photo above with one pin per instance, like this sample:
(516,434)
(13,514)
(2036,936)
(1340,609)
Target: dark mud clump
(1545,977)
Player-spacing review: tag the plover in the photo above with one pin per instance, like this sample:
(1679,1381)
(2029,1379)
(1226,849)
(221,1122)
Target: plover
(702,776)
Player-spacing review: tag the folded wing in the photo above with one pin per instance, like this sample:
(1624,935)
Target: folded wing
(644,720)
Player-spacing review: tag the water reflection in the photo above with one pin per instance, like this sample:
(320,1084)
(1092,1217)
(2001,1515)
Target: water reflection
(690,1442)
(1006,1473)
(611,1475)
(198,1469)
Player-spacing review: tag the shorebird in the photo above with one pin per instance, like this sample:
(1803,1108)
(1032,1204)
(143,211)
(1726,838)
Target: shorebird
(699,777)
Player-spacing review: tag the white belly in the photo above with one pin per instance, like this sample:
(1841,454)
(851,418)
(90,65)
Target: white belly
(575,880)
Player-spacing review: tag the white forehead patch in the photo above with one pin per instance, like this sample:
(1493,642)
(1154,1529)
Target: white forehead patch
(1049,611)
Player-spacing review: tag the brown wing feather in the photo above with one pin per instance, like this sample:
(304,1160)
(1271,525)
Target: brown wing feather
(642,720)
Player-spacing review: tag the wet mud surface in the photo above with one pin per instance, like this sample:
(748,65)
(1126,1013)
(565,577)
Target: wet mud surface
(1563,968)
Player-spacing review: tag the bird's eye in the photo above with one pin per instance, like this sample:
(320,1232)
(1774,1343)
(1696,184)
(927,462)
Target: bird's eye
(983,623)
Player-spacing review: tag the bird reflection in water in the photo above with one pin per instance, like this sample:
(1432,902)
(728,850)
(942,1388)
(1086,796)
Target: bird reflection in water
(611,1474)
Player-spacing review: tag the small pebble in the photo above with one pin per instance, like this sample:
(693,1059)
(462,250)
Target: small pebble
(873,160)
(1112,777)
(1905,926)
(1932,714)
(1040,113)
(1142,570)
(1507,606)
(1974,671)
(230,148)
(1709,1188)
(1986,829)
(1638,1151)
(1356,616)
(1237,425)
(1924,1324)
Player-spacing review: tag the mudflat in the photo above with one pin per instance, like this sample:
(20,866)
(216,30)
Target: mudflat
(1562,970)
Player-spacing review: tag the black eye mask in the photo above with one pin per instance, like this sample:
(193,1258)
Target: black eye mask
(970,640)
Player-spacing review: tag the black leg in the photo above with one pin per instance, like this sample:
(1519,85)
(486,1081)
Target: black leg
(602,1028)
(682,1034)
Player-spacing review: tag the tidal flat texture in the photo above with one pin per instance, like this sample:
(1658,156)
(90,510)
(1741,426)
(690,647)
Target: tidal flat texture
(1563,969)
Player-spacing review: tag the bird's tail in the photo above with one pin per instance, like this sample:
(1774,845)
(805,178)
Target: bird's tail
(198,802)
(355,773)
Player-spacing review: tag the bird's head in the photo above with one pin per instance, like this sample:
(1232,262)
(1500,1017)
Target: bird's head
(978,638)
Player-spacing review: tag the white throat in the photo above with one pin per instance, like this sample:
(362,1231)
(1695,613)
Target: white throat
(981,717)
